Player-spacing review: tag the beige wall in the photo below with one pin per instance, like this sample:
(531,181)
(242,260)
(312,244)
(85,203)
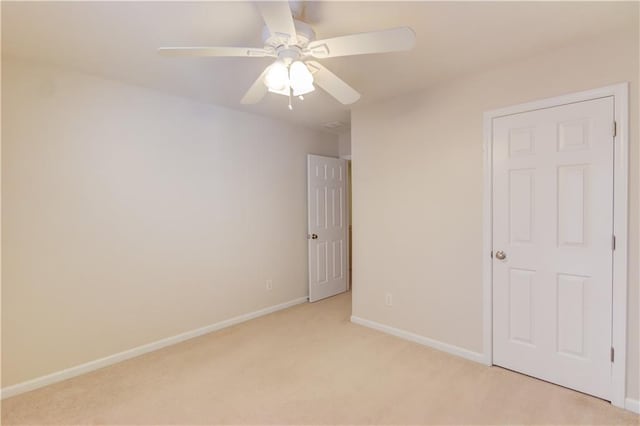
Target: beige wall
(344,140)
(417,190)
(130,216)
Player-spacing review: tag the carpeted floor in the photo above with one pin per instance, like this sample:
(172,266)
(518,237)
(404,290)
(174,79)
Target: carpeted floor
(305,365)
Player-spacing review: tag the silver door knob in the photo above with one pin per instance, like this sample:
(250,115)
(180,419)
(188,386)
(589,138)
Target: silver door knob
(500,255)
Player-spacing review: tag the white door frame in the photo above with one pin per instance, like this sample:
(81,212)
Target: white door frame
(620,93)
(349,246)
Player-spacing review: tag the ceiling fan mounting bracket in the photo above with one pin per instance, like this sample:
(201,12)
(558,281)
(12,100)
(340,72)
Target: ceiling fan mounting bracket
(320,51)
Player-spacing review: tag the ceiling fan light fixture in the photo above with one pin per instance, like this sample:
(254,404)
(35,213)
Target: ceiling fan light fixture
(291,42)
(277,77)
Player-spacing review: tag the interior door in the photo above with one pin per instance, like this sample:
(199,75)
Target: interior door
(552,244)
(327,230)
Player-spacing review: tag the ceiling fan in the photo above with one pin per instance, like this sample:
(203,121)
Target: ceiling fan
(293,44)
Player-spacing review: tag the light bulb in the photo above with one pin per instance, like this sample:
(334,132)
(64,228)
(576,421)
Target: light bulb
(300,79)
(277,77)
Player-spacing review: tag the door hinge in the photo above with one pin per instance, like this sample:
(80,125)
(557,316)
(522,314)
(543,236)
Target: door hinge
(615,129)
(612,354)
(491,254)
(613,242)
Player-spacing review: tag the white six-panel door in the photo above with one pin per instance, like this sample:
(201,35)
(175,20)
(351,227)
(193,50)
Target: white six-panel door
(552,242)
(327,229)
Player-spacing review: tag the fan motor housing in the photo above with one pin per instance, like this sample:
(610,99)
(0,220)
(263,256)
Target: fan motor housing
(304,35)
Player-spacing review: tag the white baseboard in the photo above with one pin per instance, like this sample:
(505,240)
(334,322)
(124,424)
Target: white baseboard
(632,405)
(435,344)
(629,404)
(137,351)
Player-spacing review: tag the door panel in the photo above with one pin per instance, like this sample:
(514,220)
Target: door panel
(520,306)
(327,184)
(553,219)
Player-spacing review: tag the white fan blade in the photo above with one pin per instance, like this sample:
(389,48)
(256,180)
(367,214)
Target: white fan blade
(393,40)
(214,51)
(277,16)
(257,90)
(332,84)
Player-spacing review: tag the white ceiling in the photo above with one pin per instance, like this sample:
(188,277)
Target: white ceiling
(118,40)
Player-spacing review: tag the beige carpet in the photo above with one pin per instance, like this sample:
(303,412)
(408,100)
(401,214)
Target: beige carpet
(307,364)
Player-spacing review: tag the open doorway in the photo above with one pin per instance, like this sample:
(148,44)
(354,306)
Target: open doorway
(329,222)
(327,233)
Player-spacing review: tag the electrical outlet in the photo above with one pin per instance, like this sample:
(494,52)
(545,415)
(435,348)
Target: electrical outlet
(388,299)
(269,284)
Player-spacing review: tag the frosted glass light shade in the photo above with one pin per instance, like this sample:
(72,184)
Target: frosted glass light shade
(277,77)
(303,90)
(300,78)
